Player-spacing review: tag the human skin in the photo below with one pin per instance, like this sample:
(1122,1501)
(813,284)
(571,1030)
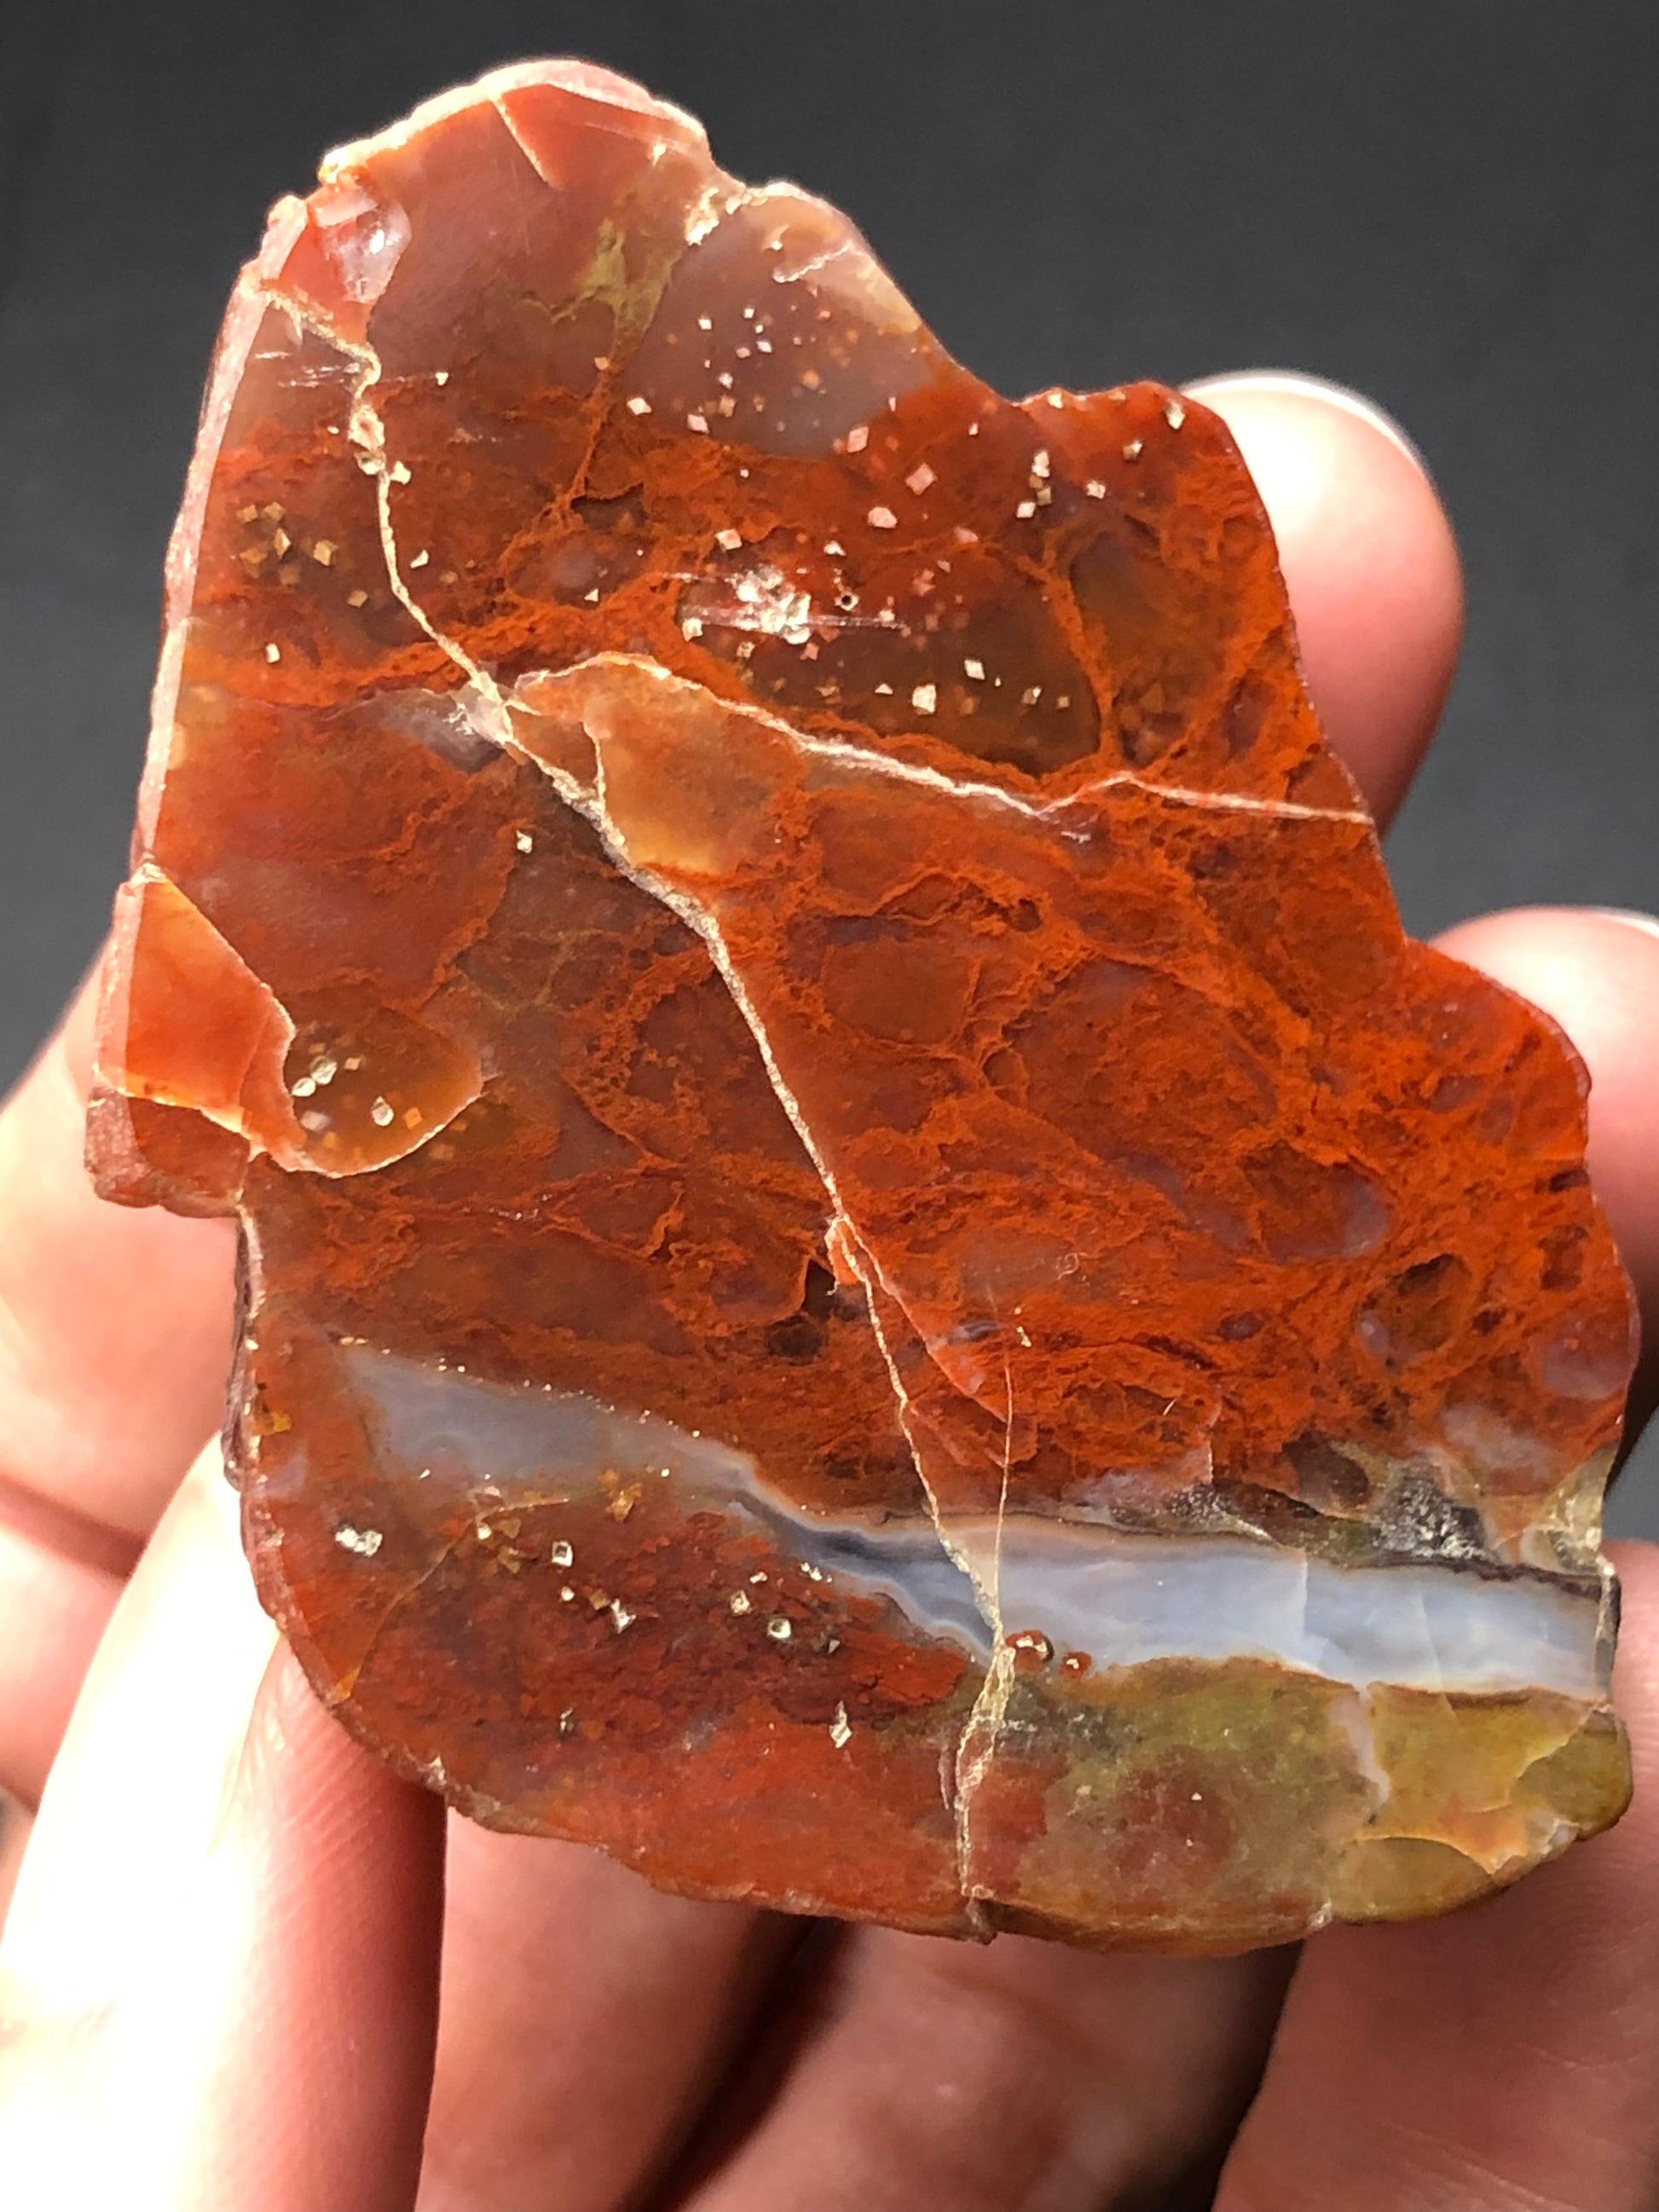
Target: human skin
(247,1970)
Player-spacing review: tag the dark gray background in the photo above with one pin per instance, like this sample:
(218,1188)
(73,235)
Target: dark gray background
(1447,204)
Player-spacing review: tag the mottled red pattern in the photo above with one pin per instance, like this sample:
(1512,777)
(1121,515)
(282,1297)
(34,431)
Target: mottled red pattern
(802,1027)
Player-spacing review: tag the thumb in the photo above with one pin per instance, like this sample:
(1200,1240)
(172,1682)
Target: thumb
(218,1979)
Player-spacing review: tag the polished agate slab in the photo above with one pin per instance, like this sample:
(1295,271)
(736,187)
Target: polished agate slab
(873,1276)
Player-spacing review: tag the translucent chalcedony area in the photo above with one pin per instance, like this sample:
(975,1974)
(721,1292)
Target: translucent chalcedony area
(874,1277)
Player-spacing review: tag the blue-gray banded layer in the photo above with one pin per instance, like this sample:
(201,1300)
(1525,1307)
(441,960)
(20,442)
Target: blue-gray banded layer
(1122,1599)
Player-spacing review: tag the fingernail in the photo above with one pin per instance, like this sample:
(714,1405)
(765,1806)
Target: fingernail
(1298,385)
(1630,916)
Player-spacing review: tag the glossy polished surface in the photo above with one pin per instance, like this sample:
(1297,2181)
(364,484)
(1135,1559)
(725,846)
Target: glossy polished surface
(875,1278)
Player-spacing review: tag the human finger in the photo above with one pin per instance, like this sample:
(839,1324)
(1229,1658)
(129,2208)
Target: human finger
(1597,974)
(1506,2056)
(1500,2058)
(114,1346)
(15,1826)
(114,1364)
(924,2073)
(1368,559)
(123,1336)
(218,1979)
(620,2006)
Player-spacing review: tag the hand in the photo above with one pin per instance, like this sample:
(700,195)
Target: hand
(221,1987)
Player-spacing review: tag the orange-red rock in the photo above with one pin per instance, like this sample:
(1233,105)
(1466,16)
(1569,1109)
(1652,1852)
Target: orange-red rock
(874,1277)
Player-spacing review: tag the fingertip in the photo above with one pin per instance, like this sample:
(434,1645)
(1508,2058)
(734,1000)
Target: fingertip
(1368,559)
(1596,973)
(1295,386)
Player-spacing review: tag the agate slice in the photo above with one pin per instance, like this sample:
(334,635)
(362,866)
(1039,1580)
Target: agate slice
(873,1276)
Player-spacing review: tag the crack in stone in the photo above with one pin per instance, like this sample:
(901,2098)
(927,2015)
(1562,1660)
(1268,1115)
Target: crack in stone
(1359,1635)
(591,807)
(849,1245)
(1050,812)
(977,1745)
(496,724)
(979,1738)
(488,709)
